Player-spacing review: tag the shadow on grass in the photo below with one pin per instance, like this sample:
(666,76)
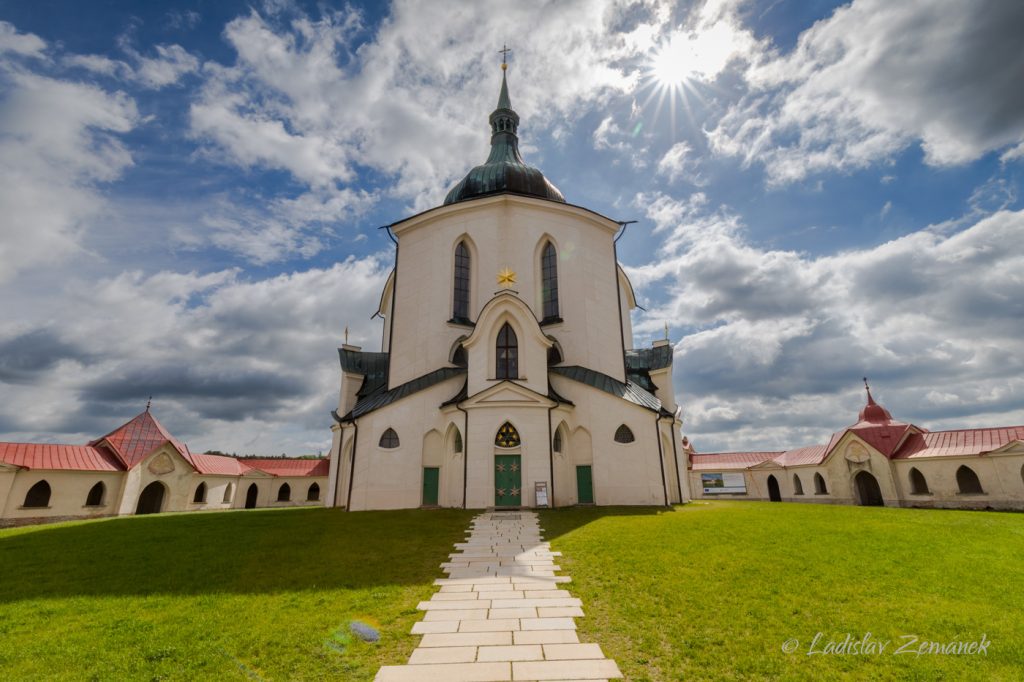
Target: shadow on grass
(228,552)
(563,520)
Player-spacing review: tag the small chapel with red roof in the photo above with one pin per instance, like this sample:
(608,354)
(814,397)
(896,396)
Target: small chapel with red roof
(140,468)
(876,461)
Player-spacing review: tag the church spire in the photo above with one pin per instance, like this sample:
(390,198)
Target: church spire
(873,412)
(504,170)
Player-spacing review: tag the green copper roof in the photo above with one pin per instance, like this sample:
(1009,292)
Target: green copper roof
(627,391)
(504,170)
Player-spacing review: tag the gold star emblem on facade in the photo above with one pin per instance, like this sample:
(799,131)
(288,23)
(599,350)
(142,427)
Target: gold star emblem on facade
(506,278)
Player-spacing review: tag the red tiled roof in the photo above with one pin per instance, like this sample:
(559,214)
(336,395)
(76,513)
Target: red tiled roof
(729,460)
(224,465)
(133,441)
(812,454)
(54,456)
(290,466)
(882,437)
(959,442)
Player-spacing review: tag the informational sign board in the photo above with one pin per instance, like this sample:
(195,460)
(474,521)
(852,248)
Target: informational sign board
(723,483)
(540,490)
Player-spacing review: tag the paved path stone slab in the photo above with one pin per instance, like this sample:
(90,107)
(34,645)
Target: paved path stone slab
(501,614)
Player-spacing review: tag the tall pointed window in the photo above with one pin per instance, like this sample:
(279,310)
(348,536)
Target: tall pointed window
(507,354)
(549,281)
(460,301)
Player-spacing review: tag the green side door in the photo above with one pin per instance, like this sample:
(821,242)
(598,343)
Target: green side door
(584,485)
(430,478)
(508,481)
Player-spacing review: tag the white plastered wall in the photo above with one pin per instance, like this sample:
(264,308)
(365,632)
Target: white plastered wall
(68,492)
(505,232)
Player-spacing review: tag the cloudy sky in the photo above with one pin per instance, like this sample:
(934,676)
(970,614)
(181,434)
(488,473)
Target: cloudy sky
(190,194)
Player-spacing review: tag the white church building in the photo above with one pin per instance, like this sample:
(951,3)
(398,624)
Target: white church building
(506,375)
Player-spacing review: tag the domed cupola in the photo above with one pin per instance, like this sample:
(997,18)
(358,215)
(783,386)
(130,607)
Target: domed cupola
(873,413)
(504,170)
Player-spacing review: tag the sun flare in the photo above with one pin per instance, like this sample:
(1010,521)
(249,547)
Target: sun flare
(673,64)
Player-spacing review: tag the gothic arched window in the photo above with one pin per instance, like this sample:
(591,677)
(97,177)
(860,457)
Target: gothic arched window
(507,354)
(38,495)
(227,493)
(798,486)
(968,481)
(284,493)
(200,495)
(95,496)
(389,439)
(819,485)
(457,441)
(507,436)
(460,300)
(549,281)
(623,434)
(918,484)
(314,492)
(556,445)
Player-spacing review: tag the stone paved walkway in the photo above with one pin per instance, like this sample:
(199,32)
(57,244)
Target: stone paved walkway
(500,614)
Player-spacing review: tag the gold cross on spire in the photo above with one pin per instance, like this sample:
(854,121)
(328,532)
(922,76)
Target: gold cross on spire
(504,56)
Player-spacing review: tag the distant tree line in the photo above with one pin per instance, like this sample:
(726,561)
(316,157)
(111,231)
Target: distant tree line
(318,455)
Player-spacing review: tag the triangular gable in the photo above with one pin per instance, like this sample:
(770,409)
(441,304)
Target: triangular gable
(135,440)
(165,451)
(1014,447)
(508,393)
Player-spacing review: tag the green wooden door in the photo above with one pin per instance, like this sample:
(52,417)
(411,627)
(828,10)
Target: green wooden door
(584,485)
(508,481)
(430,478)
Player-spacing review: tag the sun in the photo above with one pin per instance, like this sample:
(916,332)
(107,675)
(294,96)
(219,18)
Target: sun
(672,65)
(684,65)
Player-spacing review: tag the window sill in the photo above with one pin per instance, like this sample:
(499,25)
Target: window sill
(24,507)
(981,494)
(93,506)
(548,321)
(462,322)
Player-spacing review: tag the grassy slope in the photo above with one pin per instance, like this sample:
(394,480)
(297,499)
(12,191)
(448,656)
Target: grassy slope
(226,595)
(711,591)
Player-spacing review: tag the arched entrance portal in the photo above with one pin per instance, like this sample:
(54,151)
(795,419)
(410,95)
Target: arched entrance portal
(250,496)
(151,501)
(773,489)
(868,492)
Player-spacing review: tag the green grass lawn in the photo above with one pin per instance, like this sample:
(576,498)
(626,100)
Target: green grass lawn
(711,591)
(228,595)
(706,591)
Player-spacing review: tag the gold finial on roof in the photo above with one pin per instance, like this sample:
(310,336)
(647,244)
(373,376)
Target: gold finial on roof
(504,56)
